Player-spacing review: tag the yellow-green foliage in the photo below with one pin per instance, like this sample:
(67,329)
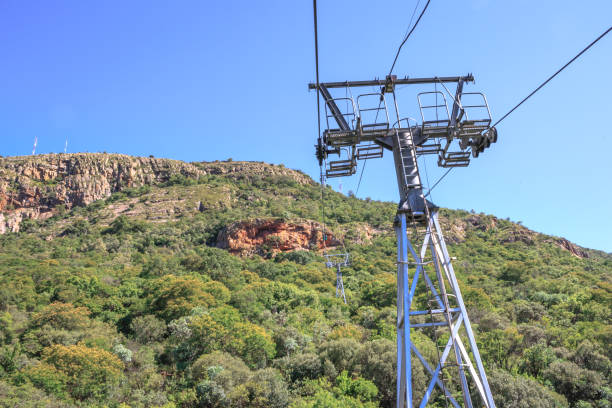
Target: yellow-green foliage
(142,310)
(82,371)
(62,316)
(174,296)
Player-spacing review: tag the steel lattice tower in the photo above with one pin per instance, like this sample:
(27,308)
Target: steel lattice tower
(362,131)
(338,261)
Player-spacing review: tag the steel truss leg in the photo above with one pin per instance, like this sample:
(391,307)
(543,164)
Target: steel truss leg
(340,284)
(445,293)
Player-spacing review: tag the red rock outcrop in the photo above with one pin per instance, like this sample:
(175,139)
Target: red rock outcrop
(262,236)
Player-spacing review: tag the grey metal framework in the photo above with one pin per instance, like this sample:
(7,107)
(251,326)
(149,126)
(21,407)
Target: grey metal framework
(361,131)
(338,261)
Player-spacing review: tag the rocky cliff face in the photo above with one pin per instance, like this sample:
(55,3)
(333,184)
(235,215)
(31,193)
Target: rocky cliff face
(36,187)
(273,235)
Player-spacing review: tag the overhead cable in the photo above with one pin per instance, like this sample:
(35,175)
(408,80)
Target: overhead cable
(408,36)
(316,40)
(532,93)
(400,47)
(553,75)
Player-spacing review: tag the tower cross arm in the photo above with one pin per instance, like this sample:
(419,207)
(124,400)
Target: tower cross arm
(398,81)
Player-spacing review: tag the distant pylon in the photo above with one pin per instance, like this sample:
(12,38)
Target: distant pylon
(339,284)
(338,261)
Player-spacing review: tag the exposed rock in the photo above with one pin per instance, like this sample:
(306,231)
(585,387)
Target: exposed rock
(519,235)
(573,249)
(35,186)
(455,231)
(260,236)
(363,233)
(240,170)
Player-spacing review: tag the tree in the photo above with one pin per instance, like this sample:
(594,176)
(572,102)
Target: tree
(175,296)
(87,372)
(378,360)
(536,358)
(148,329)
(574,382)
(519,392)
(62,316)
(359,388)
(342,353)
(514,272)
(253,344)
(266,389)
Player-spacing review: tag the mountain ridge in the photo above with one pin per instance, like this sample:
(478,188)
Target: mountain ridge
(203,284)
(33,187)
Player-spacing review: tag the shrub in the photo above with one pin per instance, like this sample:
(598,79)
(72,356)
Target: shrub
(48,378)
(62,316)
(574,382)
(124,353)
(299,257)
(519,392)
(87,372)
(148,329)
(175,296)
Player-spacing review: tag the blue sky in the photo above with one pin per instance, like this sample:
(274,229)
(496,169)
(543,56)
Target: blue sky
(203,80)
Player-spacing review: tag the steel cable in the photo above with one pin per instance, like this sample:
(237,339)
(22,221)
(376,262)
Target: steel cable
(408,36)
(533,93)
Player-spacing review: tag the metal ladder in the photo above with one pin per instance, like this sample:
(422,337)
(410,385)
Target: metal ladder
(408,155)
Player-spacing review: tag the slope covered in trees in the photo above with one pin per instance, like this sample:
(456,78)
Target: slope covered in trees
(128,302)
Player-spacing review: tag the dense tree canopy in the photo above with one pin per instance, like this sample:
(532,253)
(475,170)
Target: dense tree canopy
(114,305)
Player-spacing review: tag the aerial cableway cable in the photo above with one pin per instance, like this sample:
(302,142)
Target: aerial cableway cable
(408,36)
(553,75)
(322,177)
(533,93)
(322,164)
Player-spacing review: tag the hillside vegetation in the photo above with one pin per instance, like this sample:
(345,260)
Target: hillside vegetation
(125,300)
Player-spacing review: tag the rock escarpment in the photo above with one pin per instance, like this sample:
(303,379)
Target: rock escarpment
(36,187)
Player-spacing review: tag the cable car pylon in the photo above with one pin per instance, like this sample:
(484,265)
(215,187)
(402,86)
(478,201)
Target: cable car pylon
(454,135)
(338,261)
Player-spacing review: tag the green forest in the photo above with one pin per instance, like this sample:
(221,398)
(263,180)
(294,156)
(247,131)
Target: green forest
(114,305)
